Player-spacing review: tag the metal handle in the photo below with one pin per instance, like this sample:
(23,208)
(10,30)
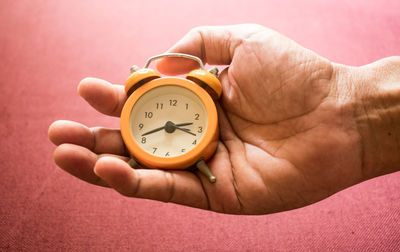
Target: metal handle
(176,55)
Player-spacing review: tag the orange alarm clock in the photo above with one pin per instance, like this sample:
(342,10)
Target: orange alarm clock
(171,122)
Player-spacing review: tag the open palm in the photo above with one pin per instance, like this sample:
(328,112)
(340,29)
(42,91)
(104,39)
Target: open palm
(287,137)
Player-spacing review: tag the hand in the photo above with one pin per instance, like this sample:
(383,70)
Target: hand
(289,123)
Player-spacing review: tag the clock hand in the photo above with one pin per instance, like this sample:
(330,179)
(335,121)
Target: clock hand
(186,130)
(154,130)
(170,125)
(183,124)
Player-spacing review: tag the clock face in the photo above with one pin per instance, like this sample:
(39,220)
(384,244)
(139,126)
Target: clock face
(168,121)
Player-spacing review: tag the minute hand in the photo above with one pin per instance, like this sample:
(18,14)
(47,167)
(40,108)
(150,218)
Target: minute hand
(163,127)
(154,130)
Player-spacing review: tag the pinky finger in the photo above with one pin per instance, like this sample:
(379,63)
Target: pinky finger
(179,187)
(79,162)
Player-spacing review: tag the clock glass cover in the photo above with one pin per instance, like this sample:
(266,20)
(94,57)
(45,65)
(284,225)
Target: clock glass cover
(168,121)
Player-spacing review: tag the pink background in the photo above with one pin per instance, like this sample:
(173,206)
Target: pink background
(47,47)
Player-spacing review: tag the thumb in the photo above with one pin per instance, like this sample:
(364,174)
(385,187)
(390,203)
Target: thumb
(214,45)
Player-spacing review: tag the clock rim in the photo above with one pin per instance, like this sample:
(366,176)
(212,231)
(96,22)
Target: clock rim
(203,150)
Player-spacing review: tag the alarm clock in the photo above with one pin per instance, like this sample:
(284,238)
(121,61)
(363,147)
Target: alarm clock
(171,122)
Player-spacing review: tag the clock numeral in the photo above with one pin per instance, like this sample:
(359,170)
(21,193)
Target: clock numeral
(200,129)
(141,126)
(148,114)
(183,150)
(194,142)
(159,105)
(187,106)
(154,150)
(196,116)
(173,102)
(143,140)
(167,154)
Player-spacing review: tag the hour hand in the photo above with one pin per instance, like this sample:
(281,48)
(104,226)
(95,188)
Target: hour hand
(183,124)
(169,127)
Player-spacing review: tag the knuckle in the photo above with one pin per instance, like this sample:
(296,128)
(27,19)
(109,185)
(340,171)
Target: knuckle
(134,192)
(170,186)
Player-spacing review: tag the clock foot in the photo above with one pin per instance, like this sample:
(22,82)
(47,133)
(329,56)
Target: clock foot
(203,168)
(132,162)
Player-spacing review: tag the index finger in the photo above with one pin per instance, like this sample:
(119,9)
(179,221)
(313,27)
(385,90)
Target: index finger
(103,96)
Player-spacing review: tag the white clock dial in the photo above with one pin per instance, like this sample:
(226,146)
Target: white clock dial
(168,121)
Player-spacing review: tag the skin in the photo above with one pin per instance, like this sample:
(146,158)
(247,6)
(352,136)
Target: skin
(295,128)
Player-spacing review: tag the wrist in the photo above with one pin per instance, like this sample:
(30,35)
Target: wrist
(375,99)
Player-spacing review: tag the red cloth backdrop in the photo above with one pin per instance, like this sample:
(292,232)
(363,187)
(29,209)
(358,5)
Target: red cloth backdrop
(47,47)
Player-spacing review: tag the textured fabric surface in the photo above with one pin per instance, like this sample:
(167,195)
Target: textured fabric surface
(47,47)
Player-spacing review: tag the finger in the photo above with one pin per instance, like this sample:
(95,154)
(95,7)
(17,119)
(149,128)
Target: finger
(179,187)
(102,95)
(79,162)
(98,140)
(211,44)
(214,45)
